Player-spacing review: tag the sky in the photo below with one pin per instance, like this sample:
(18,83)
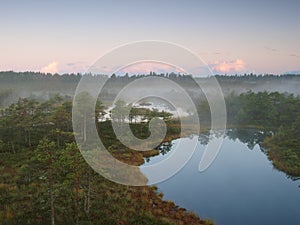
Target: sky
(231,37)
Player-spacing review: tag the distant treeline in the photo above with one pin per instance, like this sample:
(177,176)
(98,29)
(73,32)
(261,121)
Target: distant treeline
(41,86)
(11,76)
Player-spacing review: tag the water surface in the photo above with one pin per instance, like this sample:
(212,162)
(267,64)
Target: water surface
(241,187)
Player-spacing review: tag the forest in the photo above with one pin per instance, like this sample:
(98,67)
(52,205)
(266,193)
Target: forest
(279,113)
(40,86)
(45,180)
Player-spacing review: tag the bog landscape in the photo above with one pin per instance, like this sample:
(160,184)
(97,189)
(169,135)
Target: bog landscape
(149,112)
(44,177)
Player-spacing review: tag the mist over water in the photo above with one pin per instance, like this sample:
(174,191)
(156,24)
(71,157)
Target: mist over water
(42,87)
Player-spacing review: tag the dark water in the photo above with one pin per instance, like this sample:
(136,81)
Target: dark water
(241,187)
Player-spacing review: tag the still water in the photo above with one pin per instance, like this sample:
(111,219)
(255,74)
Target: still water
(241,187)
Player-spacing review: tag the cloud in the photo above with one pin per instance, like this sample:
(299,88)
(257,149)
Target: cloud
(217,53)
(228,66)
(71,64)
(50,68)
(292,72)
(295,55)
(75,63)
(147,67)
(271,49)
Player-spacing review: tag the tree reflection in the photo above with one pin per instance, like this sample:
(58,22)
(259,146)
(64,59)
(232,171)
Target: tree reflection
(203,138)
(250,137)
(165,148)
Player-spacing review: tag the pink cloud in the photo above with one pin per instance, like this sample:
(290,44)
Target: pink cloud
(230,66)
(50,68)
(147,67)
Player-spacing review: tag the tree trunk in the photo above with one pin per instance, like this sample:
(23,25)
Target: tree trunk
(25,135)
(97,119)
(88,195)
(57,139)
(13,147)
(84,127)
(29,138)
(51,191)
(76,198)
